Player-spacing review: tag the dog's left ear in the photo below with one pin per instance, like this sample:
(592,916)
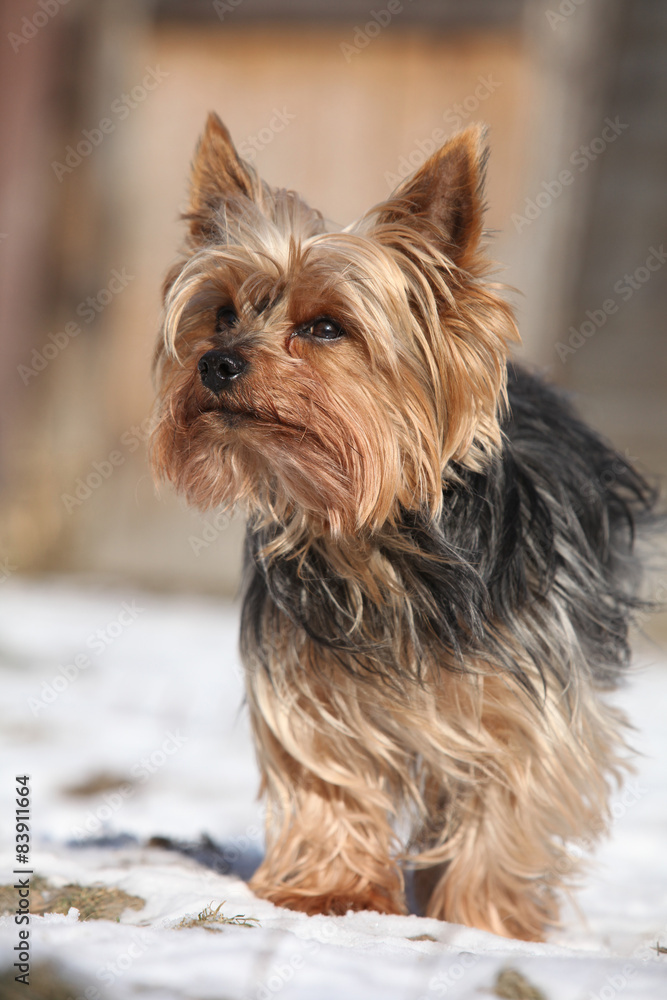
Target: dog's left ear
(218,174)
(444,199)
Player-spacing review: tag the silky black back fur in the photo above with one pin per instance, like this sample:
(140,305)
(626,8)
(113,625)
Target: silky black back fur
(538,547)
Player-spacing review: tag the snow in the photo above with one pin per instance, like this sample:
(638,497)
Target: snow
(149,691)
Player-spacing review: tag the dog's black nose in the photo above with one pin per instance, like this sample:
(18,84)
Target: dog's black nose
(218,368)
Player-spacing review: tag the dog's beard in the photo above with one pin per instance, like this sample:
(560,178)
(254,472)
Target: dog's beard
(297,451)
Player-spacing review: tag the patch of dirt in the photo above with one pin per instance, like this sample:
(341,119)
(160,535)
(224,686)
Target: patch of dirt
(102,781)
(513,985)
(45,983)
(94,902)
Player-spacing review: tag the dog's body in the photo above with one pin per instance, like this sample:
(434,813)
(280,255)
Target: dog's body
(440,568)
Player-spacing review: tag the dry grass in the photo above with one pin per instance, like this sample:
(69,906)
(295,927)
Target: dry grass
(213,920)
(513,985)
(94,902)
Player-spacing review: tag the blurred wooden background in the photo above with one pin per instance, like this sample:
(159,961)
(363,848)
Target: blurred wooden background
(336,102)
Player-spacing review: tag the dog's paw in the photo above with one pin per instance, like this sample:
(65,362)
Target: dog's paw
(334,904)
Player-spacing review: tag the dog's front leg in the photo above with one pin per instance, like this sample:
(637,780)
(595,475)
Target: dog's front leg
(328,833)
(329,855)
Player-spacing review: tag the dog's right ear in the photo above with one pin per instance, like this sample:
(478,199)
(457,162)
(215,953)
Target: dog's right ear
(218,175)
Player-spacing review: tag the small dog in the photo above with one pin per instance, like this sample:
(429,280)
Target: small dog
(439,563)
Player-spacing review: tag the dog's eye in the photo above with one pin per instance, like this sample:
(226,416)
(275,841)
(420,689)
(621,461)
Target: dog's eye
(225,318)
(325,329)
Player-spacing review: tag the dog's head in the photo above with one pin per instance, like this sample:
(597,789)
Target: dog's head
(322,376)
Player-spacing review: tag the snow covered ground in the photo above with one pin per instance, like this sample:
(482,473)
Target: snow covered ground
(125,711)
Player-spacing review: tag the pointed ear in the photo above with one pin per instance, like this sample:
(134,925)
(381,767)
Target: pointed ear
(218,174)
(444,199)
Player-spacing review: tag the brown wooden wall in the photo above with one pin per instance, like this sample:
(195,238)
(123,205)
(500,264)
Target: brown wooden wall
(88,242)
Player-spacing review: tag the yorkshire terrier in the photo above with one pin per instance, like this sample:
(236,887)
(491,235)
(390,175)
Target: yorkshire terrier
(440,567)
